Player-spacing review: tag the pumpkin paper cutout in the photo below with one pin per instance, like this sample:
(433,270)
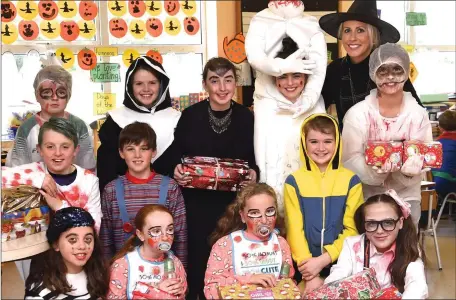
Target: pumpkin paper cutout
(137,29)
(137,8)
(172,7)
(129,56)
(88,10)
(67,9)
(28,30)
(8,11)
(188,7)
(118,27)
(117,8)
(65,57)
(154,27)
(155,55)
(9,33)
(191,25)
(69,30)
(235,49)
(48,10)
(154,8)
(87,59)
(172,26)
(27,10)
(86,29)
(50,29)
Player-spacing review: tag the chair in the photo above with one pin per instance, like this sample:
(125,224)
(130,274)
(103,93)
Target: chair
(450,202)
(427,204)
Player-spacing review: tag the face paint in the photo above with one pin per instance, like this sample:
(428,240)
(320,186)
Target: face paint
(49,89)
(390,78)
(159,241)
(258,226)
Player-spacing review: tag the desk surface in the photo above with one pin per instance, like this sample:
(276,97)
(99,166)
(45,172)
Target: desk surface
(427,183)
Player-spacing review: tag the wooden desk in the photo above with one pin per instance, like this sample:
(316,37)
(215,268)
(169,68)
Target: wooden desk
(427,184)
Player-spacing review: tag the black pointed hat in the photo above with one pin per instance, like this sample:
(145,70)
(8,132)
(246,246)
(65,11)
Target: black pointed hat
(363,11)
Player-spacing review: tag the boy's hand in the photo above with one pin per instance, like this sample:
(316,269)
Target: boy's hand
(251,178)
(311,267)
(313,284)
(172,286)
(49,186)
(180,176)
(265,280)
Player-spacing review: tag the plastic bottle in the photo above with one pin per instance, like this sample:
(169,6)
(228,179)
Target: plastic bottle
(284,271)
(170,270)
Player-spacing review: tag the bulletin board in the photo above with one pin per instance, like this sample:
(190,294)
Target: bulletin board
(96,41)
(313,8)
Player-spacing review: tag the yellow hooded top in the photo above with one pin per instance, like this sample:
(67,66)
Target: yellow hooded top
(320,206)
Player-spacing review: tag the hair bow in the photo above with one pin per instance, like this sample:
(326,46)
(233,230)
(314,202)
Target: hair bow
(405,206)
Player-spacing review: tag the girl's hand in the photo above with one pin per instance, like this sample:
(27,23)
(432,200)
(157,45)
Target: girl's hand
(172,286)
(265,280)
(49,186)
(387,167)
(53,202)
(413,165)
(311,267)
(180,176)
(313,284)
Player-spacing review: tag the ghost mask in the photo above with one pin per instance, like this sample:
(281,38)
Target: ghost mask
(389,67)
(286,9)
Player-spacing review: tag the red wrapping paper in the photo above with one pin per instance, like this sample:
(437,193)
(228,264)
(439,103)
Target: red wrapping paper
(222,174)
(432,152)
(378,152)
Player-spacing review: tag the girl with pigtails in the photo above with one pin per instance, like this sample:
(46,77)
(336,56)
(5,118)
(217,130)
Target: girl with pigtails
(246,246)
(146,268)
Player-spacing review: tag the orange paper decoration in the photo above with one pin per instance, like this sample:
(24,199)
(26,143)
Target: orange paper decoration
(154,27)
(155,55)
(136,8)
(118,27)
(8,11)
(88,10)
(87,59)
(28,30)
(69,30)
(172,7)
(48,10)
(191,25)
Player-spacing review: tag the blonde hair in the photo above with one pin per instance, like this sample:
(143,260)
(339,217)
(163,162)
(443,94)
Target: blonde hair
(231,221)
(372,32)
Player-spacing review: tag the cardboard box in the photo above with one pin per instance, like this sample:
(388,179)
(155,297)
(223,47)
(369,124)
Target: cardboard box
(215,173)
(378,152)
(285,289)
(432,152)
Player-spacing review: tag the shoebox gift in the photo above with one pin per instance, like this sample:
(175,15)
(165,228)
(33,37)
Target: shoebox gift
(432,152)
(377,152)
(285,289)
(223,174)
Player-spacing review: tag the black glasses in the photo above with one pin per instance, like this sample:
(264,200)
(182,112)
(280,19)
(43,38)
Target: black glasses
(387,225)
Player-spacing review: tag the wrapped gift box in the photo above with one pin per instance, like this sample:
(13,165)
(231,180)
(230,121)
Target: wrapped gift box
(215,173)
(362,285)
(432,152)
(193,98)
(390,293)
(175,103)
(25,219)
(285,289)
(378,152)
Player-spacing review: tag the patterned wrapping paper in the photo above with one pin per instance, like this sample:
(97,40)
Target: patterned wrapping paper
(213,173)
(378,152)
(175,103)
(432,152)
(285,289)
(362,285)
(390,292)
(24,212)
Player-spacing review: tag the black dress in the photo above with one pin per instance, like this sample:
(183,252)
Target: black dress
(194,137)
(337,88)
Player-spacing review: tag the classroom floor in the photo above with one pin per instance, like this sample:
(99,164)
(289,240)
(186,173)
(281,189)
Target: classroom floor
(442,284)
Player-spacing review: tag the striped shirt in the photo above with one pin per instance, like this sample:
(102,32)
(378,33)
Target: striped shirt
(137,193)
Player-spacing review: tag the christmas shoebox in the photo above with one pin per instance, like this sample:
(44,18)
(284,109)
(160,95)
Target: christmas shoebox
(377,152)
(223,174)
(432,152)
(362,285)
(285,289)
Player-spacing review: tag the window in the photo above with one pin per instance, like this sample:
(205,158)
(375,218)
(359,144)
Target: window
(433,45)
(184,50)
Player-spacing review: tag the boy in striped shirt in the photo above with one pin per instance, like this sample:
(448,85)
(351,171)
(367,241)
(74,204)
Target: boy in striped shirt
(123,197)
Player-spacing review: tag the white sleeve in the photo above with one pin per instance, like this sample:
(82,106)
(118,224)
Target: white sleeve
(344,266)
(255,44)
(354,138)
(86,156)
(415,281)
(94,204)
(318,53)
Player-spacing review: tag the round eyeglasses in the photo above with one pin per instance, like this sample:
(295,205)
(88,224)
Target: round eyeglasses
(387,225)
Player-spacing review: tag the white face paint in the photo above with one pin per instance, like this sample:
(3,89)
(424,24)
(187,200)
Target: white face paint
(286,9)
